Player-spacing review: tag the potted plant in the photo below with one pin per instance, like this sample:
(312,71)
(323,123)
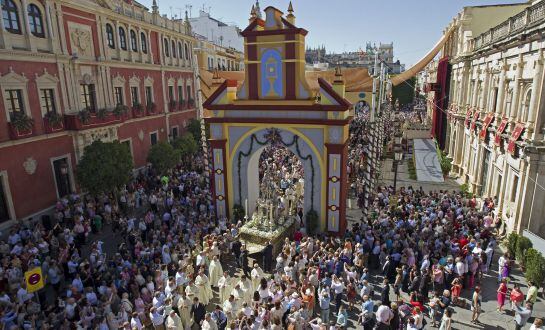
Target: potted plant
(84,116)
(20,124)
(137,110)
(102,114)
(190,102)
(53,121)
(151,108)
(120,110)
(182,104)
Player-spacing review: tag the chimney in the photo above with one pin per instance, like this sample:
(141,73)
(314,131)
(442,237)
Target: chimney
(231,90)
(338,84)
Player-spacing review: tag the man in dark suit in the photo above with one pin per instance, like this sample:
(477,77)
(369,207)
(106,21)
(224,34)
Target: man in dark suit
(198,311)
(244,262)
(236,250)
(268,257)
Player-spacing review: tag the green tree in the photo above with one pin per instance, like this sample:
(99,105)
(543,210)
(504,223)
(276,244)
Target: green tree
(523,244)
(535,267)
(186,144)
(194,127)
(163,156)
(104,167)
(511,243)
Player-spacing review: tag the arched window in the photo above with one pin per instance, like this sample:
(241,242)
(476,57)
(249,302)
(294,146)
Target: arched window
(144,43)
(122,39)
(110,36)
(173,48)
(134,45)
(180,52)
(35,21)
(186,51)
(10,16)
(165,47)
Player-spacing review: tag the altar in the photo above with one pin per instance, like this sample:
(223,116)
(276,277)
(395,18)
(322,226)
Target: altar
(274,217)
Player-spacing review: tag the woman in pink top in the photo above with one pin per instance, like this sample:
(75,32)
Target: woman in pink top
(502,293)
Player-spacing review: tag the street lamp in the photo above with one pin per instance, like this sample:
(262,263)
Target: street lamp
(398,156)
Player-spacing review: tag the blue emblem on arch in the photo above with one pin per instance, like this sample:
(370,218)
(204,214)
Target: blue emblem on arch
(272,81)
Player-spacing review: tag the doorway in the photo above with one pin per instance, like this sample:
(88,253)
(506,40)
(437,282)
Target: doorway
(61,170)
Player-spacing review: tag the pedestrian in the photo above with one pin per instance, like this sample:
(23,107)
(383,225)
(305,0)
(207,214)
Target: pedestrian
(501,294)
(446,321)
(531,295)
(522,314)
(476,305)
(198,312)
(324,305)
(537,325)
(516,296)
(342,318)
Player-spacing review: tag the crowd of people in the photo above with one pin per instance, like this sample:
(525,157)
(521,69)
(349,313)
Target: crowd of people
(177,266)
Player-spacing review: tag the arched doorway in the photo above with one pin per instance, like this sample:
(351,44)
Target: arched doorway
(245,170)
(274,168)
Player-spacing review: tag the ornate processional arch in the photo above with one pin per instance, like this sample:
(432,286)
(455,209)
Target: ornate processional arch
(275,105)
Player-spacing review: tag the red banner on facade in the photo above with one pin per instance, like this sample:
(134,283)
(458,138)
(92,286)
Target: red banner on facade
(468,115)
(475,118)
(486,122)
(517,132)
(499,132)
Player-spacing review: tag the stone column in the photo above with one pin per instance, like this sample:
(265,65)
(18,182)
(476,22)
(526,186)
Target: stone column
(62,32)
(519,202)
(516,90)
(474,96)
(500,105)
(535,94)
(26,30)
(52,38)
(464,86)
(503,185)
(139,43)
(4,36)
(129,43)
(485,92)
(116,38)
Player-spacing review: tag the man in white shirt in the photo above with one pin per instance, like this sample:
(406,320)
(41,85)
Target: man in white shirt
(157,318)
(384,314)
(208,323)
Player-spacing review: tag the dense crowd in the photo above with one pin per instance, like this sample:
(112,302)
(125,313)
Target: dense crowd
(177,266)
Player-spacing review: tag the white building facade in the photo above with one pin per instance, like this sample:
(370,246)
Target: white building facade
(495,118)
(217,32)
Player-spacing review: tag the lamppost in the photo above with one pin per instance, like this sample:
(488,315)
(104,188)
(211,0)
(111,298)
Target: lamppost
(398,156)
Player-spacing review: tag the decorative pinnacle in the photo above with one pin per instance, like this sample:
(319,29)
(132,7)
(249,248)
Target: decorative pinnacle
(290,8)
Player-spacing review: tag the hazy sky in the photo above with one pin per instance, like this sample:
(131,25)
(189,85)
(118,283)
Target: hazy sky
(412,25)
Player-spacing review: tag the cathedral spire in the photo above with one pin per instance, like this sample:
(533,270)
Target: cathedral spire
(154,7)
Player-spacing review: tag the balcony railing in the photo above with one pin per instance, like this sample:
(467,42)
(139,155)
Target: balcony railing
(530,16)
(77,122)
